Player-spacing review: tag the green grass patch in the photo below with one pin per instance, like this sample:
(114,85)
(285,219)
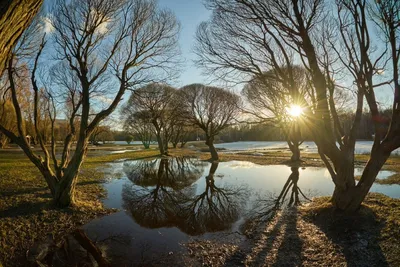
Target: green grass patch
(27,214)
(375,225)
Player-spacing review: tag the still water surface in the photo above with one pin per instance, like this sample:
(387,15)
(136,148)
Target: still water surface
(167,202)
(362,147)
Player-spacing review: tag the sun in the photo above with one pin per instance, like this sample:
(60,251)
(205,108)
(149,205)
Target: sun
(294,110)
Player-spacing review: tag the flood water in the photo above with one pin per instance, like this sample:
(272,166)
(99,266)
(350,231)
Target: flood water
(166,202)
(362,147)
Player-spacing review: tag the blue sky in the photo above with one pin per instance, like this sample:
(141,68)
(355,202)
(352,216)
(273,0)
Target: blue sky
(190,13)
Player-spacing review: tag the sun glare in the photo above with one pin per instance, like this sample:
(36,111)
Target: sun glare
(295,110)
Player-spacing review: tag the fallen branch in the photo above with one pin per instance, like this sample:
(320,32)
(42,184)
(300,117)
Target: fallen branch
(87,244)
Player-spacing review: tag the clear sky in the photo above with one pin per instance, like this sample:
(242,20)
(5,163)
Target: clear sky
(190,13)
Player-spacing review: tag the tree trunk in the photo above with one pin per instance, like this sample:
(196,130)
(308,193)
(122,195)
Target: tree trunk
(91,247)
(349,198)
(213,151)
(15,17)
(161,146)
(294,148)
(64,190)
(64,193)
(183,143)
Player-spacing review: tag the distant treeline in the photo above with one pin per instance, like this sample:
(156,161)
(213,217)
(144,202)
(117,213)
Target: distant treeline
(270,132)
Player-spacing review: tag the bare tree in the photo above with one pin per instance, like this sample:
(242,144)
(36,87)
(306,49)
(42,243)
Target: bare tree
(139,124)
(155,103)
(107,47)
(181,132)
(212,109)
(248,38)
(271,101)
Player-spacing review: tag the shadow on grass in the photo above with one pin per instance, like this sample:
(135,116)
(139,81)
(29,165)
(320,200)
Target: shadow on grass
(278,243)
(24,191)
(281,246)
(28,207)
(357,236)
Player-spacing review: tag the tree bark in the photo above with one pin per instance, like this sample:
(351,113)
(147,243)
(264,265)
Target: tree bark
(349,198)
(88,244)
(294,148)
(64,193)
(15,17)
(213,151)
(183,143)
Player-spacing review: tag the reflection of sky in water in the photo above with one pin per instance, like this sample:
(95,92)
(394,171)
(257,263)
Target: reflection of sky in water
(362,147)
(258,179)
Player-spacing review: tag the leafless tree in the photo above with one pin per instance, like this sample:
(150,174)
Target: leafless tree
(266,206)
(139,124)
(156,103)
(246,38)
(212,109)
(270,100)
(107,47)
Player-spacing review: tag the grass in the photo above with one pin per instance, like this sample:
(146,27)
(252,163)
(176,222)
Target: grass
(369,237)
(26,211)
(28,216)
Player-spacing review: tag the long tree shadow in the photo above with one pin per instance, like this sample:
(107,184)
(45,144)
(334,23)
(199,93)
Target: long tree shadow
(26,208)
(356,236)
(273,227)
(23,191)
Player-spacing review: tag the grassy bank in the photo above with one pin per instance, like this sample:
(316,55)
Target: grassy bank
(27,214)
(26,211)
(314,234)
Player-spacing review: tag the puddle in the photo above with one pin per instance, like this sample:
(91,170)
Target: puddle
(167,202)
(123,151)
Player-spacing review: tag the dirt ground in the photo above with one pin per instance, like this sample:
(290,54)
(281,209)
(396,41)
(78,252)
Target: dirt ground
(314,235)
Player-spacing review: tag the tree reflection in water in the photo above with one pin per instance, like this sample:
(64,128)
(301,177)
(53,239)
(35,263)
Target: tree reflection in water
(156,196)
(215,209)
(290,195)
(166,197)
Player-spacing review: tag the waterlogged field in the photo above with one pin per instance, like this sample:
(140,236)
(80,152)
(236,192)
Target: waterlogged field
(362,147)
(168,202)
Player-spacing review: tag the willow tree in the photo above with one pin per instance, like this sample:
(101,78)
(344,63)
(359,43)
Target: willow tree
(156,104)
(103,47)
(139,125)
(270,101)
(247,38)
(212,109)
